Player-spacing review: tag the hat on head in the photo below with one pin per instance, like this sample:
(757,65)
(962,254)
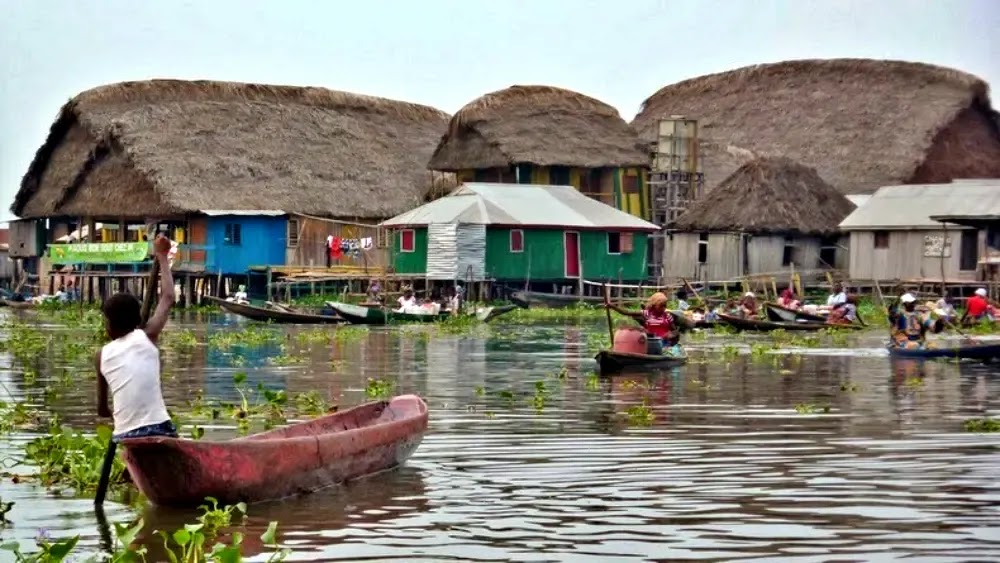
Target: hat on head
(907,298)
(749,294)
(981,292)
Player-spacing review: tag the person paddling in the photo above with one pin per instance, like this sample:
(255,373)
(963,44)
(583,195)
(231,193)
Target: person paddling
(129,365)
(908,329)
(660,325)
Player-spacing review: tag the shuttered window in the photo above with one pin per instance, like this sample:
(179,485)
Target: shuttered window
(234,234)
(407,241)
(293,232)
(517,240)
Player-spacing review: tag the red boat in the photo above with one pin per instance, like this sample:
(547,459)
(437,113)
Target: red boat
(297,459)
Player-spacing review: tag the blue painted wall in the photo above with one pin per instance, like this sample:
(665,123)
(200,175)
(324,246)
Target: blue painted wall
(262,241)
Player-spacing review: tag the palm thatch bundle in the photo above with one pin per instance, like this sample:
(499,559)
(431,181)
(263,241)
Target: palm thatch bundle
(861,123)
(769,196)
(166,147)
(540,125)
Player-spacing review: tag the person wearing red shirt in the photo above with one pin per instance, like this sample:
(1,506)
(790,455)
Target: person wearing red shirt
(976,308)
(658,322)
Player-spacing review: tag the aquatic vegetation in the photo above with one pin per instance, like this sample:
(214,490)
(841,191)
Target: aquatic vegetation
(848,387)
(312,403)
(729,351)
(809,408)
(251,336)
(378,389)
(48,551)
(68,458)
(508,397)
(5,508)
(760,349)
(214,517)
(982,425)
(540,397)
(914,382)
(639,415)
(15,416)
(285,358)
(462,324)
(593,382)
(179,339)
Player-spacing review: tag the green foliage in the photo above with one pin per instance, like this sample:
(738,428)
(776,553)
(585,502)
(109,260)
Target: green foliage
(253,335)
(982,425)
(378,389)
(809,408)
(68,458)
(639,415)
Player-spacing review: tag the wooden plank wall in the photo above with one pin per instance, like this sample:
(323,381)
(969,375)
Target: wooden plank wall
(310,248)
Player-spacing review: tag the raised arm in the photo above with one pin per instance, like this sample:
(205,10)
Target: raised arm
(158,320)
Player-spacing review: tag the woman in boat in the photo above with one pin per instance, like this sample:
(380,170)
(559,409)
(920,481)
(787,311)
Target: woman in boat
(788,300)
(407,300)
(838,297)
(908,328)
(977,308)
(845,314)
(660,325)
(748,305)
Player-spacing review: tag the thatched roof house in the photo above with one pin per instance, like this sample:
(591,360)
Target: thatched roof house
(861,123)
(539,125)
(770,216)
(769,195)
(171,147)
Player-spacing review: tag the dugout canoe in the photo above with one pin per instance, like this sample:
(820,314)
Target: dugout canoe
(780,314)
(966,351)
(767,326)
(611,361)
(19,304)
(357,314)
(282,315)
(280,463)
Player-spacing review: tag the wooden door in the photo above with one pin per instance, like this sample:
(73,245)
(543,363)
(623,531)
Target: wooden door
(571,243)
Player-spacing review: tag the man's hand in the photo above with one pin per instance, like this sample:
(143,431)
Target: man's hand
(161,246)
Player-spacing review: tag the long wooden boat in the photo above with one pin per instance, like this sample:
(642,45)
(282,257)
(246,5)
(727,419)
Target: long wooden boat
(19,304)
(357,314)
(487,314)
(780,314)
(968,351)
(766,326)
(554,300)
(611,361)
(280,463)
(281,315)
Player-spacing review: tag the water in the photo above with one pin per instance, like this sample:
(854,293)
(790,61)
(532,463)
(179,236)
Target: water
(728,469)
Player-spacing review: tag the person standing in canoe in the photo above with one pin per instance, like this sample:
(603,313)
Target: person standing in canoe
(908,328)
(129,365)
(659,323)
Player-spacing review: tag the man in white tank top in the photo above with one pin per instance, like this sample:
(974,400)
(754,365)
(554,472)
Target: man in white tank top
(129,365)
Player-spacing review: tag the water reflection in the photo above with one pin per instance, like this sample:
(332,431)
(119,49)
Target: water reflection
(813,454)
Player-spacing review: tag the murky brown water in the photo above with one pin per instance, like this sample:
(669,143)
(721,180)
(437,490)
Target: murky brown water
(727,470)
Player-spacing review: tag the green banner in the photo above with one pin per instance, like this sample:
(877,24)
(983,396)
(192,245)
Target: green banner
(99,253)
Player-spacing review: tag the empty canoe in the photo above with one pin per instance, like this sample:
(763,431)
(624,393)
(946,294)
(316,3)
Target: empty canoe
(767,326)
(274,314)
(288,461)
(780,314)
(967,351)
(610,361)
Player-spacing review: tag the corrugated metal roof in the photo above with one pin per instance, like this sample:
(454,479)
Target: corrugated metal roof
(520,204)
(912,206)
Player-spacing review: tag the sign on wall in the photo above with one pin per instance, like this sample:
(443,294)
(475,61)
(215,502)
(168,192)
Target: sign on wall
(937,246)
(99,253)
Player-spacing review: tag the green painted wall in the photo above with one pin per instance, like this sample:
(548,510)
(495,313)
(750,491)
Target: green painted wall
(410,262)
(547,257)
(599,265)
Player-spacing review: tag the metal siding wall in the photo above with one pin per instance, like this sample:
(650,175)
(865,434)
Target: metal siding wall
(471,247)
(262,243)
(904,259)
(442,251)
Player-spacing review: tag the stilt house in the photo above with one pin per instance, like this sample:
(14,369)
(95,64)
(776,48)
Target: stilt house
(772,215)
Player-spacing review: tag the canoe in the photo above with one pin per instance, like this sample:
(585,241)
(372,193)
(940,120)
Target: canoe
(780,314)
(357,314)
(280,463)
(612,362)
(554,300)
(19,304)
(281,315)
(767,326)
(487,314)
(982,352)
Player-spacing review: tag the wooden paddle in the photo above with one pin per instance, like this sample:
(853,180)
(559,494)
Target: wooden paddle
(109,454)
(607,309)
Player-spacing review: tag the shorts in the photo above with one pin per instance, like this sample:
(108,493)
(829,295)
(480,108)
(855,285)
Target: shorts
(165,428)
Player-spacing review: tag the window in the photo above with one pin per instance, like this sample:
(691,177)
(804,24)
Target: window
(614,243)
(703,248)
(788,256)
(969,256)
(993,238)
(517,240)
(559,176)
(630,183)
(881,239)
(407,241)
(234,236)
(828,252)
(627,243)
(523,173)
(293,232)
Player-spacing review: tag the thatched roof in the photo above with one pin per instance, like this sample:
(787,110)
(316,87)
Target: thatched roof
(164,147)
(539,125)
(769,195)
(861,123)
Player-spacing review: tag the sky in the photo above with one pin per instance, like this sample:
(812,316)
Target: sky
(445,53)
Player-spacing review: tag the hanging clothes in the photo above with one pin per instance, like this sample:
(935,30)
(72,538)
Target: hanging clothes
(328,249)
(335,250)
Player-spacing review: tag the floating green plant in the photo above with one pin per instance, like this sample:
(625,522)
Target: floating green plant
(982,425)
(67,458)
(251,336)
(640,415)
(809,408)
(378,389)
(593,382)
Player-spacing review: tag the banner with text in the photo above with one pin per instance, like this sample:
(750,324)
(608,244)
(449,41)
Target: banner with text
(99,253)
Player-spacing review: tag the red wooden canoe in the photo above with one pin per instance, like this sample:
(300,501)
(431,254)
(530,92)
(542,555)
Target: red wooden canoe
(288,461)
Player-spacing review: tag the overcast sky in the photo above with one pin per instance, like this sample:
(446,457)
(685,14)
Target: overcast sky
(444,53)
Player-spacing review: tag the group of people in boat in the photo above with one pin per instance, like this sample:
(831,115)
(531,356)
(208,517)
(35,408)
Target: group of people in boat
(451,301)
(910,323)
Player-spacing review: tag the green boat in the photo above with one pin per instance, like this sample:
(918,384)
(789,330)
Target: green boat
(359,315)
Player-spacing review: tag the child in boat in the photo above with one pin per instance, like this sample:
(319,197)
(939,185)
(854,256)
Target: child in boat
(660,325)
(682,304)
(129,365)
(748,305)
(908,329)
